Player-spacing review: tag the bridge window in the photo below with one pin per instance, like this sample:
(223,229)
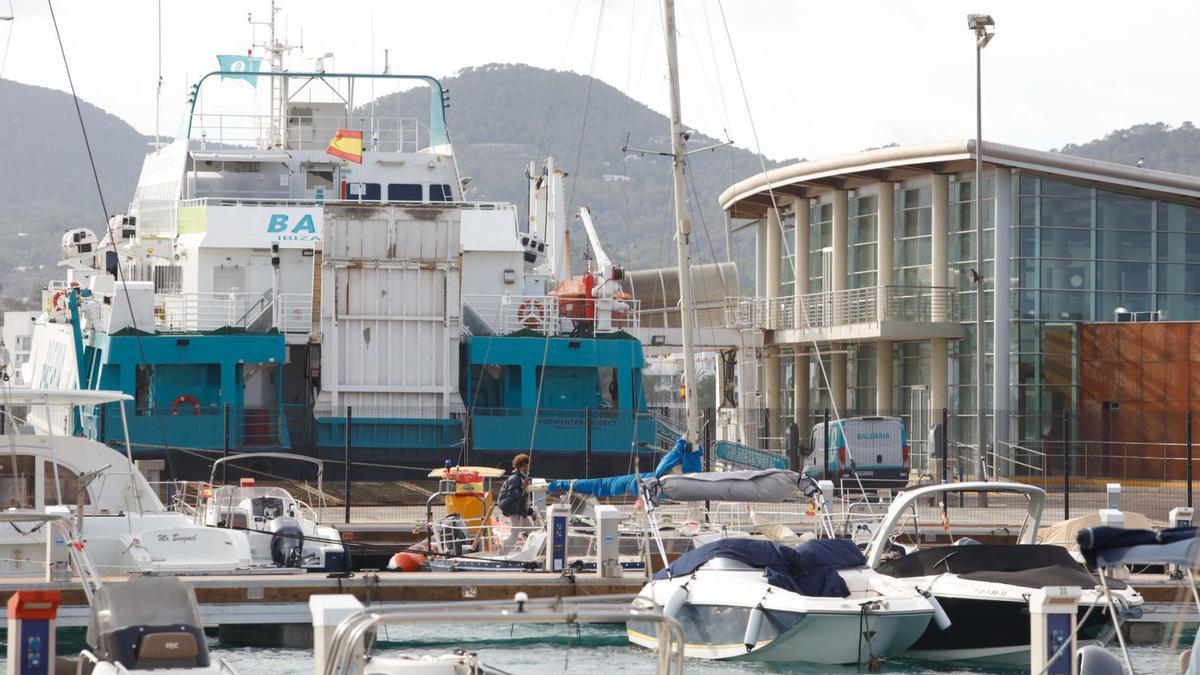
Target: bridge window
(404,192)
(440,193)
(16,481)
(68,483)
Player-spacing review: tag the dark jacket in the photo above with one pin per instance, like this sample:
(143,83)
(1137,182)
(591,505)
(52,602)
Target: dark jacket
(514,500)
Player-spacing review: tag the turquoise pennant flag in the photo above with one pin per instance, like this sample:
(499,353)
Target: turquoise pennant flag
(238,67)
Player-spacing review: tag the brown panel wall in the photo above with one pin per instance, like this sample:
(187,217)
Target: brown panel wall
(1152,371)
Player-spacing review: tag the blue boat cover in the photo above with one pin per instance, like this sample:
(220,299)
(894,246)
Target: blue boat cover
(627,485)
(1109,546)
(808,569)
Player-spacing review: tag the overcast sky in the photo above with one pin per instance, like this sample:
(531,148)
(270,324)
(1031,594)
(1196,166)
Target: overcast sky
(822,78)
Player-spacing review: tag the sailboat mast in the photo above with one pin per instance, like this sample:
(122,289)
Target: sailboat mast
(683,231)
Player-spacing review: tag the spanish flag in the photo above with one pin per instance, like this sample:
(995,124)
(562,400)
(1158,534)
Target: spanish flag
(347,144)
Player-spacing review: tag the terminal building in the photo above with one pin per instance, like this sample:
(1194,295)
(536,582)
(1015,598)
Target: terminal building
(864,295)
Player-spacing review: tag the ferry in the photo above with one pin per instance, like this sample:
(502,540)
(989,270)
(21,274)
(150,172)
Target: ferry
(300,271)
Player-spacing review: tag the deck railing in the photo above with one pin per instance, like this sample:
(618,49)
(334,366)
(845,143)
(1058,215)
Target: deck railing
(548,314)
(254,312)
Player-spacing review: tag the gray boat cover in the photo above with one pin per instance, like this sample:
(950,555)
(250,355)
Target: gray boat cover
(768,485)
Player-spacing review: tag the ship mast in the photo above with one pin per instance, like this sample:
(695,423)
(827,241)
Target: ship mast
(683,231)
(275,49)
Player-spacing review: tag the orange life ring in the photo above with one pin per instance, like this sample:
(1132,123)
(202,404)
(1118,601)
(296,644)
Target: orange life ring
(185,398)
(531,313)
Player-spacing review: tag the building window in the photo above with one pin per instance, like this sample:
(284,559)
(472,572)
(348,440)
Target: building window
(820,240)
(864,228)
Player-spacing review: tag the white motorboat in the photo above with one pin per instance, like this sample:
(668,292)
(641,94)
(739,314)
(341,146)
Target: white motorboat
(141,624)
(755,600)
(984,589)
(282,530)
(150,625)
(125,526)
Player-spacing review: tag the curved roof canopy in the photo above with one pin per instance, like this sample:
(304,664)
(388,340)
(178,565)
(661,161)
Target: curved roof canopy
(750,198)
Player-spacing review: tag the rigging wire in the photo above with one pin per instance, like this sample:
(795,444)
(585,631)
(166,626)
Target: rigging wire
(537,404)
(775,206)
(108,227)
(557,77)
(11,20)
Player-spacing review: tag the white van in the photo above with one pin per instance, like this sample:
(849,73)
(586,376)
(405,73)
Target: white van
(875,449)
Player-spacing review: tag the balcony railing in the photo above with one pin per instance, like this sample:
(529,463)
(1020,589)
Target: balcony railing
(873,304)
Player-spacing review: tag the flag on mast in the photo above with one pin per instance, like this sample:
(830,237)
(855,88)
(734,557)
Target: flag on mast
(347,144)
(238,67)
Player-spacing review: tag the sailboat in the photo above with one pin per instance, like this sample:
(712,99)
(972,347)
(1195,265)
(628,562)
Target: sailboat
(751,599)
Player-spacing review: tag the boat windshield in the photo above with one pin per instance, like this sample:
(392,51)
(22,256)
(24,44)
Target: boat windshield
(142,602)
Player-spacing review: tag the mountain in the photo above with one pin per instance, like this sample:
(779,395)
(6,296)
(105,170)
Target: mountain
(46,183)
(1162,146)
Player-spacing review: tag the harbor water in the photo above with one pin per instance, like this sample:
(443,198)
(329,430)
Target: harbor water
(591,649)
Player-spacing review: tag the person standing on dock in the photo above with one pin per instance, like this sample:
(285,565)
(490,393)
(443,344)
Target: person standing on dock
(515,502)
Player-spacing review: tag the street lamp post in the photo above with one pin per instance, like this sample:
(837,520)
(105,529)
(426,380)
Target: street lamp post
(980,25)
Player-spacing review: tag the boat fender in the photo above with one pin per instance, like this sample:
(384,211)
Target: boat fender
(287,546)
(940,617)
(753,627)
(675,603)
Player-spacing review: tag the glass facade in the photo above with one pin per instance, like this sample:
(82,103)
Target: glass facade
(1079,252)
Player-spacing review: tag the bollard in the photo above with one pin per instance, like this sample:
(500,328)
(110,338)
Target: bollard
(31,627)
(1114,496)
(608,547)
(556,537)
(1052,617)
(1112,518)
(327,612)
(826,487)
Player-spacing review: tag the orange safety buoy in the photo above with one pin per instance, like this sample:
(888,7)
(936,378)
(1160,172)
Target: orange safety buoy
(406,561)
(531,313)
(190,400)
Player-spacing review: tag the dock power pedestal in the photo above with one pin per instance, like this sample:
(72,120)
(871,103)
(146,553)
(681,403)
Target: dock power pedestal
(556,537)
(608,543)
(1052,616)
(31,626)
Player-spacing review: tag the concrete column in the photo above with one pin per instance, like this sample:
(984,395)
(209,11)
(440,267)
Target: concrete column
(938,380)
(1001,273)
(760,259)
(883,378)
(940,276)
(774,253)
(884,261)
(800,246)
(801,209)
(840,240)
(801,401)
(772,390)
(885,236)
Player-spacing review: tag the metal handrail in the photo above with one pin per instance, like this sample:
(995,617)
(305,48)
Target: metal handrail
(346,645)
(871,304)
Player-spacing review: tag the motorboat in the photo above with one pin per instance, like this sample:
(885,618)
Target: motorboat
(282,530)
(151,625)
(342,628)
(140,624)
(984,589)
(756,600)
(1106,548)
(119,517)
